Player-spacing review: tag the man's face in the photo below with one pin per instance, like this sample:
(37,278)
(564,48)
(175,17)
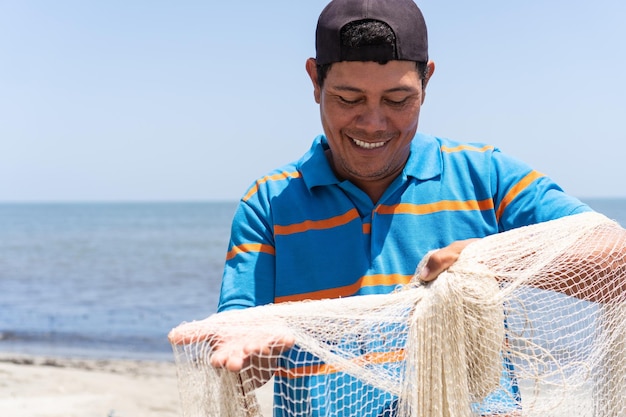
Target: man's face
(370,114)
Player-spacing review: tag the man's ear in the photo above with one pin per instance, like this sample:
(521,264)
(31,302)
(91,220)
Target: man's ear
(429,73)
(311,69)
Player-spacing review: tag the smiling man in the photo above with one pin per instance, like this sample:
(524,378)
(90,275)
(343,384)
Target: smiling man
(357,213)
(369,113)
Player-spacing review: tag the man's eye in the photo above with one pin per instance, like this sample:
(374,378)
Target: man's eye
(397,102)
(347,101)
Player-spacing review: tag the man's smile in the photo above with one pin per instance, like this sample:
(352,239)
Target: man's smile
(367,145)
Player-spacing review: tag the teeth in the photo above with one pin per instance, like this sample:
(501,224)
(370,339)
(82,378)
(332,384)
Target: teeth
(368,145)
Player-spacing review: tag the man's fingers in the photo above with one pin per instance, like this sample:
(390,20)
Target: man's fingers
(442,259)
(237,355)
(232,360)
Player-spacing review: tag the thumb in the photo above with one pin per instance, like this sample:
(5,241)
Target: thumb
(431,269)
(437,261)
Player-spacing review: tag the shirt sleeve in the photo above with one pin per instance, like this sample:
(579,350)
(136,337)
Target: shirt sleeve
(524,196)
(249,271)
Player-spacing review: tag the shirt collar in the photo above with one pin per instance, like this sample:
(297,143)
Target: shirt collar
(425,161)
(314,165)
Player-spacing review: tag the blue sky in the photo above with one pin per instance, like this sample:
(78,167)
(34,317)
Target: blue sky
(192,100)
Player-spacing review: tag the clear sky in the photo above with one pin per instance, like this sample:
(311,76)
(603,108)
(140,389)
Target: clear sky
(122,100)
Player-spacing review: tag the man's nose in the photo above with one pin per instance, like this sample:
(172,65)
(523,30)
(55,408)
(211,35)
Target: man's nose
(372,119)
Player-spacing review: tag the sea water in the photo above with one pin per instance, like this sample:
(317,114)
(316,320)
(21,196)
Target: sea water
(109,280)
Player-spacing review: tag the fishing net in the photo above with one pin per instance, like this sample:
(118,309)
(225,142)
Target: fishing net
(543,305)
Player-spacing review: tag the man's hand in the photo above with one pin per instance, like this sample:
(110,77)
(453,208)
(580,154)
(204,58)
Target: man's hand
(252,349)
(256,350)
(442,259)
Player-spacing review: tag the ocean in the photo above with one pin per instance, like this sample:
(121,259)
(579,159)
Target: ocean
(109,280)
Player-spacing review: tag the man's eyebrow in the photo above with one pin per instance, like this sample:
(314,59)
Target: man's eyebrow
(347,88)
(402,89)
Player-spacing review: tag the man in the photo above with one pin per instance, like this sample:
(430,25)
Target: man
(372,196)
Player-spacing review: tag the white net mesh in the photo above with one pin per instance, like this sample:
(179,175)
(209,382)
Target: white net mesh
(547,300)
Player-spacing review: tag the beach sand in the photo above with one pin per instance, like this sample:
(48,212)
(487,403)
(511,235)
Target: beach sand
(50,387)
(33,386)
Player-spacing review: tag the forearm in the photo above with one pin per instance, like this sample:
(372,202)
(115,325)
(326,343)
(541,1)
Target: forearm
(594,272)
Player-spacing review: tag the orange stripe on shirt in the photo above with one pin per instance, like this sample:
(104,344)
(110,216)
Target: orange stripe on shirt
(515,190)
(317,224)
(444,205)
(275,177)
(374,358)
(250,247)
(466,148)
(348,290)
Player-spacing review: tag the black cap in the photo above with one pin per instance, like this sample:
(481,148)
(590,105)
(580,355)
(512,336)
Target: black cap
(403,17)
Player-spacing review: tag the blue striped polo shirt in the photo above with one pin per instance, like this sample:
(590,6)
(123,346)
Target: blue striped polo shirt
(301,233)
